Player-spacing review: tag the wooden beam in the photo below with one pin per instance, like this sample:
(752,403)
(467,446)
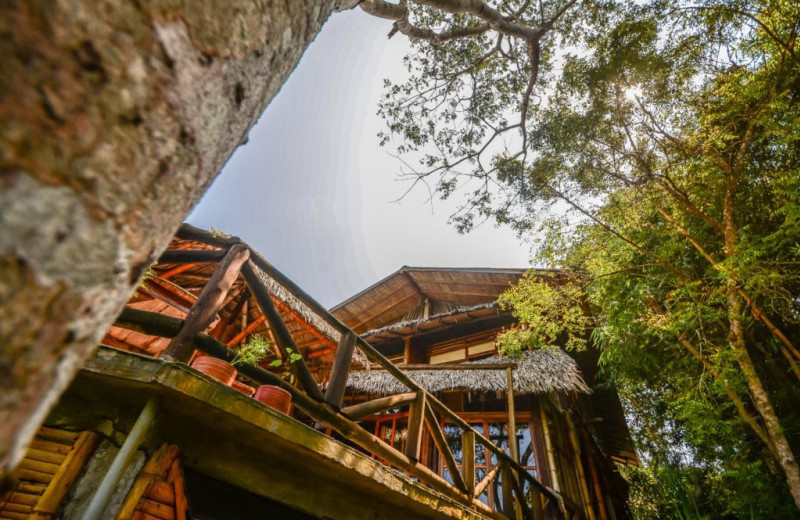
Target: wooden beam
(247,331)
(357,411)
(440,441)
(166,275)
(468,459)
(481,486)
(416,417)
(66,475)
(191,256)
(341,368)
(154,289)
(282,335)
(458,366)
(208,303)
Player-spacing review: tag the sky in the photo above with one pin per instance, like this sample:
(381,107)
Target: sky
(314,193)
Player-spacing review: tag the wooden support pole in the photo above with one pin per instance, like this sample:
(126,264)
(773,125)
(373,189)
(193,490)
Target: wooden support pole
(208,303)
(282,335)
(341,368)
(506,488)
(468,460)
(416,417)
(444,449)
(523,510)
(357,411)
(512,419)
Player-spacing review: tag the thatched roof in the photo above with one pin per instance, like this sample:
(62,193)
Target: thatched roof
(540,371)
(395,298)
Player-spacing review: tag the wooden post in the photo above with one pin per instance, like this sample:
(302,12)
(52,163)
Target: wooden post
(416,416)
(507,486)
(468,459)
(341,368)
(208,303)
(282,335)
(512,420)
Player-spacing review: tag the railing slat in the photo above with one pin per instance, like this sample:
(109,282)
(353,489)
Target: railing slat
(416,414)
(468,460)
(444,449)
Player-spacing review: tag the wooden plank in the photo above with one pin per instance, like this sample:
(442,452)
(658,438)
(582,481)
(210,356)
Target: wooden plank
(155,469)
(357,411)
(31,489)
(341,368)
(67,473)
(33,476)
(468,460)
(27,499)
(208,303)
(416,417)
(37,465)
(162,511)
(50,446)
(440,442)
(282,335)
(162,492)
(176,478)
(10,515)
(57,435)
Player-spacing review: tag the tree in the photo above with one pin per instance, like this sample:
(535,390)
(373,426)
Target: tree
(665,137)
(115,116)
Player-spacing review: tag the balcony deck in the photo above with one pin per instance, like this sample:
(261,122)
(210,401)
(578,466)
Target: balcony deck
(237,440)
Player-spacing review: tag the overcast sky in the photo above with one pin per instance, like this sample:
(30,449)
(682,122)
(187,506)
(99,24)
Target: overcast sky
(312,190)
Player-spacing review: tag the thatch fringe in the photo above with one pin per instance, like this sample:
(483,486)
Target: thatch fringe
(538,372)
(314,319)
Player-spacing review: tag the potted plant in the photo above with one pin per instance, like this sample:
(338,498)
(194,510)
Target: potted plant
(220,370)
(274,396)
(252,352)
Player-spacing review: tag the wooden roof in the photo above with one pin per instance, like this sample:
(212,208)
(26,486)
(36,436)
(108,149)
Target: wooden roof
(401,295)
(172,288)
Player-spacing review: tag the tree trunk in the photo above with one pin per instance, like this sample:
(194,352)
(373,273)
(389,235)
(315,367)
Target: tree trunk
(759,394)
(115,116)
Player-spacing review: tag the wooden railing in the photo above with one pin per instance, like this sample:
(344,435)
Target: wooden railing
(424,409)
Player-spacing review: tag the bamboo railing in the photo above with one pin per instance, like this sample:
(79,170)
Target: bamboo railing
(424,409)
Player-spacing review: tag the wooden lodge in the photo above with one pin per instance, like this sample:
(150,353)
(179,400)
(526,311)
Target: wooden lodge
(400,406)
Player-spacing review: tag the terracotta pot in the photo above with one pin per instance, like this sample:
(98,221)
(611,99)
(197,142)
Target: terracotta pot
(243,388)
(275,397)
(220,370)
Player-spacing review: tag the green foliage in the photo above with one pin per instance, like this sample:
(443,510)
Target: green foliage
(253,351)
(660,163)
(286,363)
(550,313)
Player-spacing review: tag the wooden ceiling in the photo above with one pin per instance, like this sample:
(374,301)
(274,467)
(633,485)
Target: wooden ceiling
(394,297)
